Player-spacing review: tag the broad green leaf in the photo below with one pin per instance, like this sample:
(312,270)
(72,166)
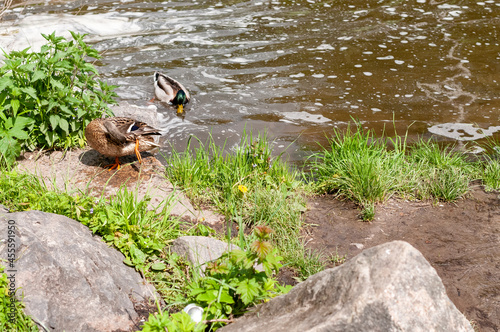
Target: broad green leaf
(63,123)
(5,81)
(38,75)
(10,149)
(248,289)
(238,255)
(80,112)
(29,91)
(52,104)
(208,296)
(59,55)
(3,97)
(65,109)
(128,262)
(28,67)
(15,91)
(225,297)
(56,84)
(54,121)
(196,291)
(43,127)
(19,133)
(15,105)
(18,127)
(138,257)
(72,100)
(158,266)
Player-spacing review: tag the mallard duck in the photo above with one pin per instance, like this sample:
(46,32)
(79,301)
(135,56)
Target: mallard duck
(118,137)
(170,91)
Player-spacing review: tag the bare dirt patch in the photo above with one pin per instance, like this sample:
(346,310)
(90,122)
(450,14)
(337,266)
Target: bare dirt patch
(85,170)
(461,241)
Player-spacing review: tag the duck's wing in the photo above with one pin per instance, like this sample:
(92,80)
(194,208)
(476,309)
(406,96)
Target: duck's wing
(130,126)
(116,131)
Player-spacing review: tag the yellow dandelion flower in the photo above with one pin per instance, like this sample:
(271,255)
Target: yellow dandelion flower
(242,188)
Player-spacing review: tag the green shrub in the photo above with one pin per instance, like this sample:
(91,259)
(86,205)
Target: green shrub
(233,282)
(47,98)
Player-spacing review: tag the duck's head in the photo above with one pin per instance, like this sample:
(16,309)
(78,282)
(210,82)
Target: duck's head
(179,100)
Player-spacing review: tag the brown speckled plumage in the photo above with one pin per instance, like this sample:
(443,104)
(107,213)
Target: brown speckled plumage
(118,136)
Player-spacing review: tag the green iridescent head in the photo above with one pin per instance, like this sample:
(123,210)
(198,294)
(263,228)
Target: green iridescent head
(180,98)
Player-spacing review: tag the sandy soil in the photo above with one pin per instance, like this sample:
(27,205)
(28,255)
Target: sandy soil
(84,170)
(460,240)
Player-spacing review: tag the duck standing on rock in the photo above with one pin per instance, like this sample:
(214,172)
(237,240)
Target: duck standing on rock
(170,91)
(119,136)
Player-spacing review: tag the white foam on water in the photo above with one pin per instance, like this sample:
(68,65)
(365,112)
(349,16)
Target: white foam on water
(462,131)
(304,116)
(389,57)
(27,31)
(222,79)
(239,60)
(325,47)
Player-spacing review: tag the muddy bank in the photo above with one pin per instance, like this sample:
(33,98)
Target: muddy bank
(461,240)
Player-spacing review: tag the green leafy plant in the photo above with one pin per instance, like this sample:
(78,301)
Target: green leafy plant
(47,98)
(11,132)
(234,282)
(178,322)
(237,280)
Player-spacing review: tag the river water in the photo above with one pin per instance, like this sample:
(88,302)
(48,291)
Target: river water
(296,69)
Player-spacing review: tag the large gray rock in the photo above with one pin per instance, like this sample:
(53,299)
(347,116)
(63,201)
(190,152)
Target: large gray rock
(200,249)
(390,287)
(71,280)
